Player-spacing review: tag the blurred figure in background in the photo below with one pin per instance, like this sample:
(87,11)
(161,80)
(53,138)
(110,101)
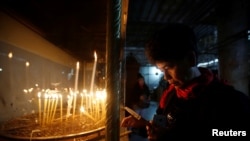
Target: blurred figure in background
(140,93)
(140,101)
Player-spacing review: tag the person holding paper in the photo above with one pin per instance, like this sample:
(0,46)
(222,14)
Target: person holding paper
(196,104)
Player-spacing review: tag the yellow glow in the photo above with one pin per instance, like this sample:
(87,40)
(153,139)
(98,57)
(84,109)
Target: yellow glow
(27,64)
(31,89)
(84,91)
(95,55)
(77,65)
(82,109)
(101,95)
(39,94)
(10,55)
(46,96)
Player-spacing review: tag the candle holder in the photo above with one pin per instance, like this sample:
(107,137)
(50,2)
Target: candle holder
(52,123)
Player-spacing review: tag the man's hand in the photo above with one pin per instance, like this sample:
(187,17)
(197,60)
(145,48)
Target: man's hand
(155,132)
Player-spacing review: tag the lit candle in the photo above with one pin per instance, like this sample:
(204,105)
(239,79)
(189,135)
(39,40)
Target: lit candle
(94,109)
(48,112)
(68,105)
(70,97)
(74,106)
(51,108)
(76,85)
(76,76)
(81,103)
(90,104)
(45,108)
(55,106)
(86,100)
(84,94)
(39,107)
(93,73)
(61,103)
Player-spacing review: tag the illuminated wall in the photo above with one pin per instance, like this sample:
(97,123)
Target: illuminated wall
(152,76)
(28,63)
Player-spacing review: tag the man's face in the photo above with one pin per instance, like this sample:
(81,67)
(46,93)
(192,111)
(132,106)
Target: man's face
(175,72)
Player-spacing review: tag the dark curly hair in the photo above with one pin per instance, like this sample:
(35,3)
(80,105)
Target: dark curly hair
(171,43)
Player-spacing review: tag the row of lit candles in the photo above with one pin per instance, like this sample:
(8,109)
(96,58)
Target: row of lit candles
(93,106)
(50,104)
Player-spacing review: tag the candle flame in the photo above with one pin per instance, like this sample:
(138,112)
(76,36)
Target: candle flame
(77,65)
(27,64)
(82,109)
(39,94)
(10,55)
(84,91)
(95,55)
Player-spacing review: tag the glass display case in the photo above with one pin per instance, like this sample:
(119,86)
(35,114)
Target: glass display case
(44,92)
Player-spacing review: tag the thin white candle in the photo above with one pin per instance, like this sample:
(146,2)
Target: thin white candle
(74,106)
(85,95)
(70,99)
(76,85)
(91,104)
(39,107)
(69,105)
(55,106)
(45,108)
(87,100)
(52,107)
(93,74)
(94,109)
(48,112)
(76,76)
(61,103)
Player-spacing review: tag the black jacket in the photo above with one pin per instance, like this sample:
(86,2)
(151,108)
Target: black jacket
(218,110)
